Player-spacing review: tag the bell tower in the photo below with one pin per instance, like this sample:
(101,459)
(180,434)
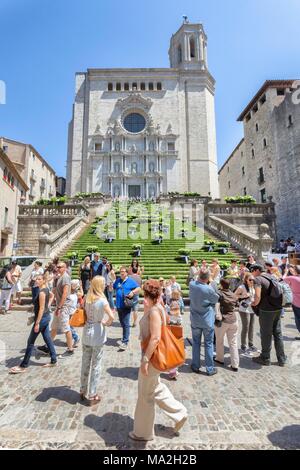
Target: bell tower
(188,47)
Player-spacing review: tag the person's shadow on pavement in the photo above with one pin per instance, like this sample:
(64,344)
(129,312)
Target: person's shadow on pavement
(63,393)
(113,429)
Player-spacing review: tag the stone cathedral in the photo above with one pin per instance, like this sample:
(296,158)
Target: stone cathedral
(145,131)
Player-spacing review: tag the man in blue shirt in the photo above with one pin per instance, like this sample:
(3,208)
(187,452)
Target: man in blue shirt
(96,266)
(203,299)
(125,287)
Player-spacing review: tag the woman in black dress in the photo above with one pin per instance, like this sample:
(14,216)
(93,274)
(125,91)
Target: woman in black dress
(85,274)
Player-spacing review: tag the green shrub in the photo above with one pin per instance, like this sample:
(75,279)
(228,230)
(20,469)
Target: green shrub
(92,249)
(240,200)
(184,252)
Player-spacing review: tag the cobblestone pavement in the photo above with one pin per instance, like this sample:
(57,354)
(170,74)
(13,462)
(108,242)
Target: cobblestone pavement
(256,408)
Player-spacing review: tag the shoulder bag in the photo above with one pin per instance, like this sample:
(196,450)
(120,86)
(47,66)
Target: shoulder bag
(169,352)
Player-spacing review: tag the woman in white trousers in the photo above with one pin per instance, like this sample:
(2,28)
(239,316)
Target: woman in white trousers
(151,391)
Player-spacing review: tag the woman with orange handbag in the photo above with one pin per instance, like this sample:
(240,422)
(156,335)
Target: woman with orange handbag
(93,338)
(150,389)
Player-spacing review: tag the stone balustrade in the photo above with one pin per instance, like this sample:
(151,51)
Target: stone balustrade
(241,209)
(65,210)
(51,245)
(248,243)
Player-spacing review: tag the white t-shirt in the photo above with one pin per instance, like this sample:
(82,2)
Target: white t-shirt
(74,300)
(94,332)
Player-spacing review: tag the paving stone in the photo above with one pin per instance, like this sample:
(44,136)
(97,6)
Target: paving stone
(256,408)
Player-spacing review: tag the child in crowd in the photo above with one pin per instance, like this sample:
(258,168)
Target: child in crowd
(76,298)
(174,309)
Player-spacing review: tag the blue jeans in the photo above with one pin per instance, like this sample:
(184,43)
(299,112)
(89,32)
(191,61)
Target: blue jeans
(124,317)
(110,298)
(208,347)
(297,316)
(44,329)
(74,334)
(34,292)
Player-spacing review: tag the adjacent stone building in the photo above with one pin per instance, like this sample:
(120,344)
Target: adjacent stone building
(33,169)
(266,163)
(12,193)
(143,132)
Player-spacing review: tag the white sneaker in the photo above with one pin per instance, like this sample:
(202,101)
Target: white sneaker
(123,346)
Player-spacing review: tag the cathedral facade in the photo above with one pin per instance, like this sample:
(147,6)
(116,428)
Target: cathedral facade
(143,132)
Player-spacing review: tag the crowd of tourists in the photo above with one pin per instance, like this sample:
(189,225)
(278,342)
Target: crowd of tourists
(247,290)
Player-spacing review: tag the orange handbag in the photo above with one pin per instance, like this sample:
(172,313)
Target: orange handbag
(78,318)
(169,352)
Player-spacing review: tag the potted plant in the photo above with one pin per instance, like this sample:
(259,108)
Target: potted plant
(184,254)
(110,237)
(137,250)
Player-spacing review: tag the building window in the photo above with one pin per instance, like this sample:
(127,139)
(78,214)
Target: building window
(265,143)
(12,181)
(229,185)
(126,86)
(263,99)
(290,120)
(245,191)
(110,87)
(5,216)
(253,153)
(158,86)
(263,196)
(171,146)
(228,169)
(192,48)
(243,171)
(179,53)
(280,91)
(248,117)
(5,173)
(256,127)
(98,147)
(261,175)
(134,86)
(143,86)
(255,108)
(242,154)
(5,148)
(134,122)
(151,87)
(118,87)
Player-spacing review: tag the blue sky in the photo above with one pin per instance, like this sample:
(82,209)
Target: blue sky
(43,43)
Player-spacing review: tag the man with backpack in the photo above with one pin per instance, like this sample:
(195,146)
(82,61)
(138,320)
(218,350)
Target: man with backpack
(268,306)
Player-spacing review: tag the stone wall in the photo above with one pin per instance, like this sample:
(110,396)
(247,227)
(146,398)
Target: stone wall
(31,219)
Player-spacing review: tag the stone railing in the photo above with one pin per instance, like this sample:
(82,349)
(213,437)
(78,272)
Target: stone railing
(248,243)
(214,208)
(69,210)
(51,245)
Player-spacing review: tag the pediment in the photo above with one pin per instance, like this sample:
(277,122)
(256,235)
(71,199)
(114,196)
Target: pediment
(134,100)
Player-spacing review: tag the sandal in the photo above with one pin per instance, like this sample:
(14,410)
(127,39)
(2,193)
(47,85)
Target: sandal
(82,396)
(136,438)
(93,401)
(17,370)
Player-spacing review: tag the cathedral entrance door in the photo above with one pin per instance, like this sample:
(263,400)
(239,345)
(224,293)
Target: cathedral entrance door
(134,191)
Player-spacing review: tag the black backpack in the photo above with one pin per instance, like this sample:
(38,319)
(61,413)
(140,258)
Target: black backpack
(3,272)
(275,292)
